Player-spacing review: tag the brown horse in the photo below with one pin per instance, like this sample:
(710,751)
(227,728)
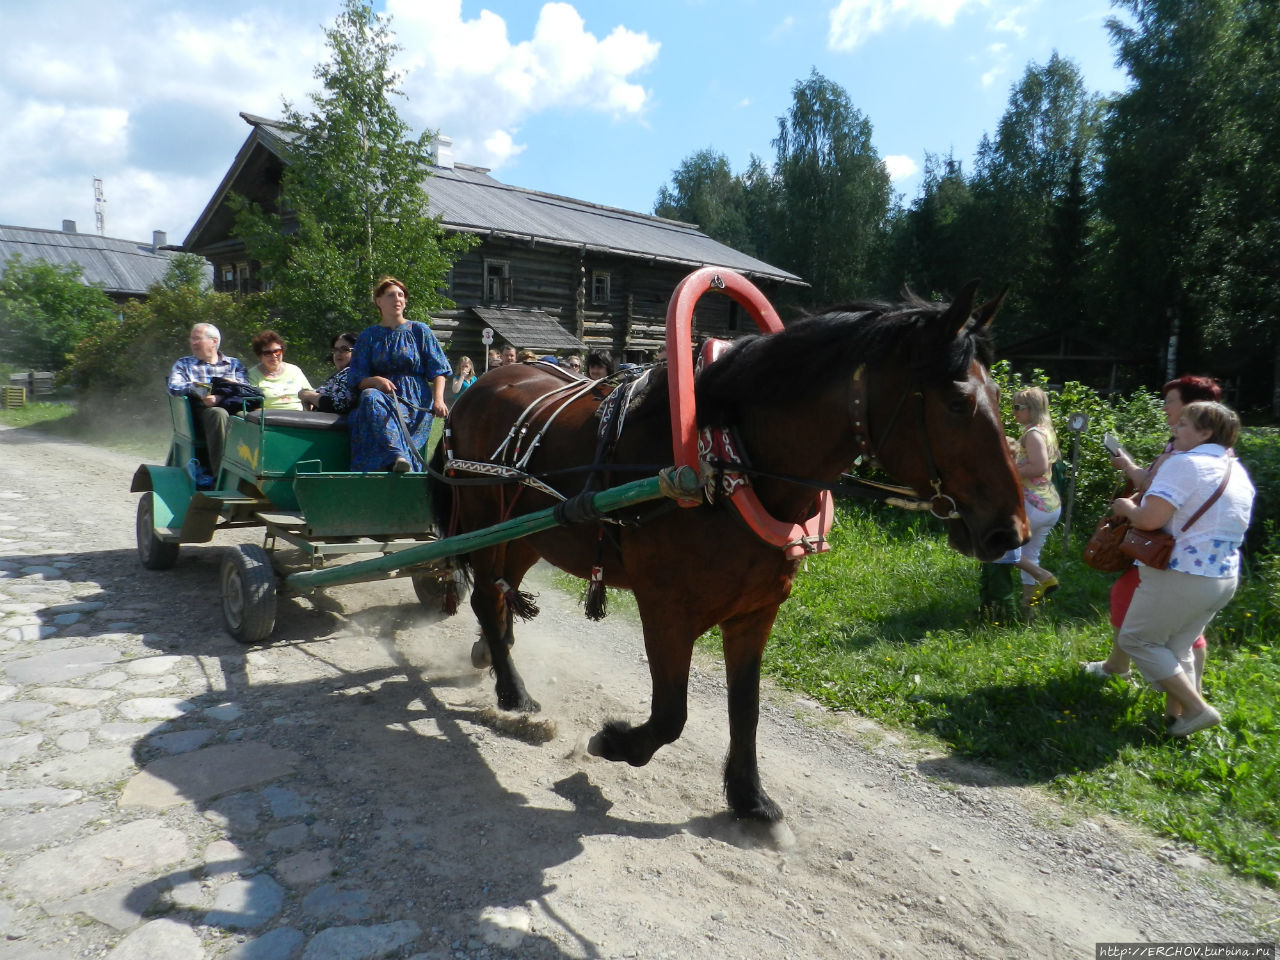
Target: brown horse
(929,415)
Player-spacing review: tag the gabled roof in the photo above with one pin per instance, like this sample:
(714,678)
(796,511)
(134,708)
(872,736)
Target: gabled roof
(468,200)
(117,266)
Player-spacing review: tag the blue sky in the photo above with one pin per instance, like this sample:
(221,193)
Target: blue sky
(587,98)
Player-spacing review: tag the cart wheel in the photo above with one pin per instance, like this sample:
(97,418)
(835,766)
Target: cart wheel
(155,554)
(430,585)
(248,594)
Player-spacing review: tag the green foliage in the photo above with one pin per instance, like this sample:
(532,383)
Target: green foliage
(352,205)
(1192,181)
(124,361)
(885,625)
(833,190)
(44,310)
(1029,192)
(705,191)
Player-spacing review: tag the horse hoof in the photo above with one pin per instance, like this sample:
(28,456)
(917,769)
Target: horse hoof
(480,655)
(521,703)
(771,836)
(595,746)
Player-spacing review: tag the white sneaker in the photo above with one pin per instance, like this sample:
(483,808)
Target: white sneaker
(1206,718)
(1097,668)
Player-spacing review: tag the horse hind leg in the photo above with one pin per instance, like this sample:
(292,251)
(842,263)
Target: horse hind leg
(517,603)
(489,601)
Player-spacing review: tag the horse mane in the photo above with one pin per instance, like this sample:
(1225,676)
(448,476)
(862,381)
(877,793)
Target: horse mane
(799,362)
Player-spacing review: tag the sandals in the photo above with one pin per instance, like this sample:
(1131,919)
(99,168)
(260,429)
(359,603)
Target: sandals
(1043,588)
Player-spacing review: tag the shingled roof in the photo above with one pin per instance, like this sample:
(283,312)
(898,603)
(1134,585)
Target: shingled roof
(469,200)
(118,267)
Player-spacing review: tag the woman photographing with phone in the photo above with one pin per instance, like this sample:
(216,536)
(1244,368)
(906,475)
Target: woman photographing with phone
(1177,394)
(1202,496)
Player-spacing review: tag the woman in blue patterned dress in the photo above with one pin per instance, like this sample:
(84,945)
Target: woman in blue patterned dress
(398,371)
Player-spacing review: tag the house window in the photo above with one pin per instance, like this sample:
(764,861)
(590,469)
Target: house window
(228,278)
(242,277)
(599,286)
(497,282)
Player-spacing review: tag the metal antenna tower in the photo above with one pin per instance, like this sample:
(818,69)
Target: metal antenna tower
(99,207)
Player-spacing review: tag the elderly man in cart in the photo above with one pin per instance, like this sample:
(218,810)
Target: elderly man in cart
(193,377)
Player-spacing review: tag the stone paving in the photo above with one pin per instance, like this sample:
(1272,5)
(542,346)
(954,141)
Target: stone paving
(139,820)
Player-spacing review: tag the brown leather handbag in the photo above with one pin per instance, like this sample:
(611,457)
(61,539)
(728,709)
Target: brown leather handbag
(1155,547)
(1102,552)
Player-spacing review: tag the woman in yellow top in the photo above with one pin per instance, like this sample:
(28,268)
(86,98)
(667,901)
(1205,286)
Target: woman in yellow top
(1037,451)
(279,382)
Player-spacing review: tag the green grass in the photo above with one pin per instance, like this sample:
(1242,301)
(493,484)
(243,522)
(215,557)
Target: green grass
(886,625)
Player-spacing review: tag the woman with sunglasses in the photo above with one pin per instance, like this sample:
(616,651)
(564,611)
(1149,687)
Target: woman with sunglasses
(1037,450)
(334,395)
(280,382)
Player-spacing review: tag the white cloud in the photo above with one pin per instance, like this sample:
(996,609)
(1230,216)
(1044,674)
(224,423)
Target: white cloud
(853,21)
(147,95)
(468,79)
(900,167)
(147,98)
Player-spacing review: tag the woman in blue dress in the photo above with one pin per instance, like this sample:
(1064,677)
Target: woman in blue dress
(398,371)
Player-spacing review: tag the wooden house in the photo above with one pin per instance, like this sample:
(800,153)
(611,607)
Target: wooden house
(122,269)
(550,273)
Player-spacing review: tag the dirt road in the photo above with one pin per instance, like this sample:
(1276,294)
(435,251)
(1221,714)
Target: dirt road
(349,792)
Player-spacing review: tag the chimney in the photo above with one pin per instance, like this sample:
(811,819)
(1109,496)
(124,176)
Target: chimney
(158,239)
(68,226)
(444,151)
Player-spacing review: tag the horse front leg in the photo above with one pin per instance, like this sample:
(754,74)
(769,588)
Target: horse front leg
(669,648)
(744,640)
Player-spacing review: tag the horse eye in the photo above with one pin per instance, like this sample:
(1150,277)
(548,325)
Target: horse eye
(959,406)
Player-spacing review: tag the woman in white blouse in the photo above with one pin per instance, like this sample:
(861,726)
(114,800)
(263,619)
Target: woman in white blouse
(1172,607)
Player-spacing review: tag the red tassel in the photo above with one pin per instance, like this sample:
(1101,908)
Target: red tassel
(596,599)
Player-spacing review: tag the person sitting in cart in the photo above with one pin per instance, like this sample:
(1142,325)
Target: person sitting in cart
(281,383)
(334,395)
(192,377)
(398,371)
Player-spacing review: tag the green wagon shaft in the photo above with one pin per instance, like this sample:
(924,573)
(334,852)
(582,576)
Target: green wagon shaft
(676,483)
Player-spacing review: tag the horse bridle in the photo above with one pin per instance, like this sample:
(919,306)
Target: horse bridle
(897,496)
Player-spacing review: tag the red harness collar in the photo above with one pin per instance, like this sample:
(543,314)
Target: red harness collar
(796,539)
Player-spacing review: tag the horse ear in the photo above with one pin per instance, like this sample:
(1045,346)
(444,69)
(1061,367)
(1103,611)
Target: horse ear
(987,311)
(957,314)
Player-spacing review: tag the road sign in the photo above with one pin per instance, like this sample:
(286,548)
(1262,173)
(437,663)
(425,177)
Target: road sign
(487,336)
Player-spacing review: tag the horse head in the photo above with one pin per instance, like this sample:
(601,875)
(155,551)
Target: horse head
(936,426)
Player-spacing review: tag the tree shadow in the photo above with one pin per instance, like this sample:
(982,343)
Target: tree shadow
(1078,726)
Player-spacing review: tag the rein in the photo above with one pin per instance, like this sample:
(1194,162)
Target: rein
(892,494)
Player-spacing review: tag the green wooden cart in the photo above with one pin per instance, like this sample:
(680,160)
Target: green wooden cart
(286,472)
